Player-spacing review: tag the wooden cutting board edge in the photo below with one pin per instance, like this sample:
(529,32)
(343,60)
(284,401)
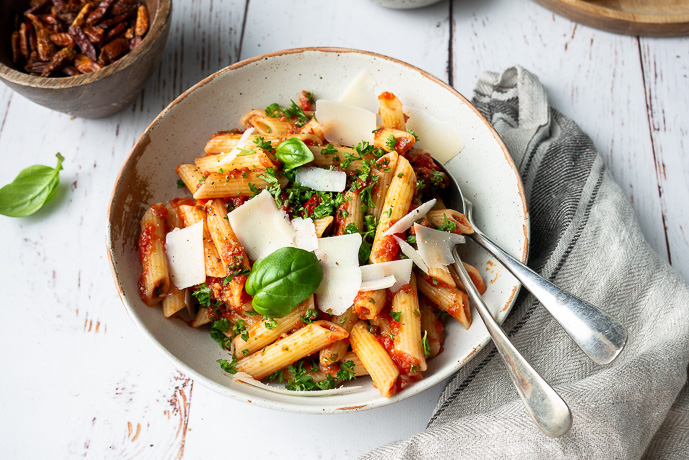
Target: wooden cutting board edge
(612,20)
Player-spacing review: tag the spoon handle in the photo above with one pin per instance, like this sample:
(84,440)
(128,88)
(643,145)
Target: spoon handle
(598,334)
(547,409)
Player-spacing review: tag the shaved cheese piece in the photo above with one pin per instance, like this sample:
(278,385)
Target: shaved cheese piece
(400,269)
(261,227)
(322,180)
(184,250)
(362,92)
(379,283)
(227,158)
(412,253)
(435,246)
(439,137)
(305,234)
(407,221)
(344,123)
(243,377)
(339,256)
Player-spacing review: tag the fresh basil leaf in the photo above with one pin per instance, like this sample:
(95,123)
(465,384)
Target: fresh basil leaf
(30,190)
(283,280)
(293,153)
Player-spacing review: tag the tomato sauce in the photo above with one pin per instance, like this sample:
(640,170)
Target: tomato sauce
(304,100)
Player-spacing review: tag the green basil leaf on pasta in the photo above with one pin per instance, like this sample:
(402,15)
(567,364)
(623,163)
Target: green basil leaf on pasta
(293,153)
(30,190)
(283,280)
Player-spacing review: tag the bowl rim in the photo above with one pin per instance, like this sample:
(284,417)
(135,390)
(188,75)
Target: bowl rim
(156,29)
(143,142)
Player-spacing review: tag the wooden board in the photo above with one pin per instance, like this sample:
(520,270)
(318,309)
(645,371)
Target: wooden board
(652,18)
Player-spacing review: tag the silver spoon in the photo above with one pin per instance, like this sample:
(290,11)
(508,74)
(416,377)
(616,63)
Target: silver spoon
(547,409)
(598,334)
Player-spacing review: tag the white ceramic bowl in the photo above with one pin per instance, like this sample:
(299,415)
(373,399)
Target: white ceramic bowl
(484,168)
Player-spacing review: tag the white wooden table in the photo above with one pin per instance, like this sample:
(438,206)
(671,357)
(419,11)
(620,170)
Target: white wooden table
(79,380)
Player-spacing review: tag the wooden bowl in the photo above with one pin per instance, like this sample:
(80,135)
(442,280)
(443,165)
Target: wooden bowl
(93,95)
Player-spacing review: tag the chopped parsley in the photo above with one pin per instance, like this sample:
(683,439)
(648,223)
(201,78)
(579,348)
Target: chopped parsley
(396,315)
(269,323)
(274,188)
(277,375)
(329,150)
(180,183)
(230,368)
(411,239)
(229,277)
(346,371)
(293,111)
(416,138)
(367,236)
(448,225)
(426,346)
(239,329)
(391,142)
(203,295)
(263,144)
(218,329)
(301,381)
(310,315)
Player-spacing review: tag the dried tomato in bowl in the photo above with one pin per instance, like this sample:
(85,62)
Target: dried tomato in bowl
(58,38)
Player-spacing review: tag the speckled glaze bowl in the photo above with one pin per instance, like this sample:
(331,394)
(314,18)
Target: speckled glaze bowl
(484,170)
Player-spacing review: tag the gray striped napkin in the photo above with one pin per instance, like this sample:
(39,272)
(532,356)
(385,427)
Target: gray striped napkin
(585,238)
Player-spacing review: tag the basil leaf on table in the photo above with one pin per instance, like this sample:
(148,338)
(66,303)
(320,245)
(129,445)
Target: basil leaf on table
(293,153)
(283,280)
(30,190)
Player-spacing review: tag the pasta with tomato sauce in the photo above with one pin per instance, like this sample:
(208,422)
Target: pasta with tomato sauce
(267,198)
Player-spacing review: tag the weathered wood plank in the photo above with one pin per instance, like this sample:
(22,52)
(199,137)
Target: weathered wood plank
(666,72)
(591,76)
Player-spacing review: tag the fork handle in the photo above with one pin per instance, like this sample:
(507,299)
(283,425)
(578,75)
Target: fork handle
(598,334)
(546,408)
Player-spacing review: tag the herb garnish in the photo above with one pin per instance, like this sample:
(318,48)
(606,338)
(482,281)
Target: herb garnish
(30,190)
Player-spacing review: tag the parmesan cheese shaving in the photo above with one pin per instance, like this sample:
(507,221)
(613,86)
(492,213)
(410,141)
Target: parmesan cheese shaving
(246,379)
(412,253)
(376,284)
(322,180)
(399,269)
(339,256)
(344,123)
(435,246)
(408,220)
(305,234)
(184,250)
(439,137)
(227,158)
(362,92)
(261,227)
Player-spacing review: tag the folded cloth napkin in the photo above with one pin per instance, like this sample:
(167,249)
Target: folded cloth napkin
(584,238)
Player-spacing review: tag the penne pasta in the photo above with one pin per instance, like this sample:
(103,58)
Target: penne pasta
(224,142)
(408,339)
(322,225)
(375,359)
(335,352)
(394,140)
(450,300)
(369,304)
(384,171)
(173,302)
(390,110)
(191,176)
(438,217)
(229,248)
(286,351)
(473,274)
(396,205)
(431,328)
(440,276)
(233,184)
(349,213)
(154,283)
(256,161)
(359,368)
(262,334)
(214,265)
